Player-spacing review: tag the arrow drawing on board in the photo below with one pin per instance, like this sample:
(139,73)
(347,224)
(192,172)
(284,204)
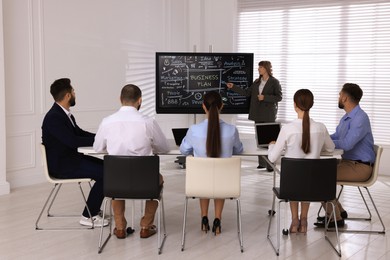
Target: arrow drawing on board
(225,71)
(191,94)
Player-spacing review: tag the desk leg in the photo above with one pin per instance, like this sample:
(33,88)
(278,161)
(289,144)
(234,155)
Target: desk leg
(265,157)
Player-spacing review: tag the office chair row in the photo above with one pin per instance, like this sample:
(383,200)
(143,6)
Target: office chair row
(137,178)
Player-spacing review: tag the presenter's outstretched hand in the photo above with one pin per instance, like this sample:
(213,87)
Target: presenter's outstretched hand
(229,85)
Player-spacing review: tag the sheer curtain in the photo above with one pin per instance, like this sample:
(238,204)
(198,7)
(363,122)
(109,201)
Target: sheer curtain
(320,45)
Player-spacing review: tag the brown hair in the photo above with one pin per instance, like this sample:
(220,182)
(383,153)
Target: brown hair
(213,103)
(304,100)
(267,66)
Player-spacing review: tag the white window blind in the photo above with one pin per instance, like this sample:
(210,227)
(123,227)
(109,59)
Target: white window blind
(320,45)
(140,71)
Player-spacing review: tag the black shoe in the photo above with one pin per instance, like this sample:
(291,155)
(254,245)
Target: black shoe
(204,225)
(270,169)
(129,230)
(216,226)
(321,224)
(343,214)
(260,167)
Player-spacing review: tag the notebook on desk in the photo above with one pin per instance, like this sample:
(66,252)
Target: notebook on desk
(179,134)
(265,133)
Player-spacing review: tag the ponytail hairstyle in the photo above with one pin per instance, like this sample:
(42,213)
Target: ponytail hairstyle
(213,103)
(304,100)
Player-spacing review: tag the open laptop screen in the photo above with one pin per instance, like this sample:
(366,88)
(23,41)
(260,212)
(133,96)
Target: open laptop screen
(265,133)
(179,134)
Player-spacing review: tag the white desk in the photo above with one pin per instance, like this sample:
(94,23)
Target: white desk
(250,149)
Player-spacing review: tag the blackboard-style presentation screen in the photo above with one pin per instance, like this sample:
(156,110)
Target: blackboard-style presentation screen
(183,78)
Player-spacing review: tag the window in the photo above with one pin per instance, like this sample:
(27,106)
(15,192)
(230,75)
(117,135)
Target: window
(140,71)
(320,45)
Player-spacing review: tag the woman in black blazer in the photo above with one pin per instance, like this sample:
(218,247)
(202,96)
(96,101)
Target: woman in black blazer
(265,93)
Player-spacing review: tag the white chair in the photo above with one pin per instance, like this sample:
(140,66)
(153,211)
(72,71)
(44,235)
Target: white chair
(365,184)
(53,194)
(213,178)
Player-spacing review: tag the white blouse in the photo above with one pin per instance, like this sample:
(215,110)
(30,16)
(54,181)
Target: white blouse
(290,140)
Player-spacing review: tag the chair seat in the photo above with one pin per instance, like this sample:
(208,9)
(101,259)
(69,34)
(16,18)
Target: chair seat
(53,194)
(308,180)
(365,184)
(213,178)
(354,183)
(61,181)
(135,178)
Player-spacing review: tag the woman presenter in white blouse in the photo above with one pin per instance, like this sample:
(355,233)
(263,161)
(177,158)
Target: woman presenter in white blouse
(302,138)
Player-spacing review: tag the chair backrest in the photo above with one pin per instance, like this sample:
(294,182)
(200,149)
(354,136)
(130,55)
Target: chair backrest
(213,177)
(44,161)
(131,177)
(375,169)
(308,179)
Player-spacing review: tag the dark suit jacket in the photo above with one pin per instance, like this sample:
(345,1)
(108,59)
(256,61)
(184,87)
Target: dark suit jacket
(266,110)
(61,140)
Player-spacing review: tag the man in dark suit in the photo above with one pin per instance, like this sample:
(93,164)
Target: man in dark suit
(61,137)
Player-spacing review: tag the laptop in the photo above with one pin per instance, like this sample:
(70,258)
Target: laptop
(265,133)
(179,134)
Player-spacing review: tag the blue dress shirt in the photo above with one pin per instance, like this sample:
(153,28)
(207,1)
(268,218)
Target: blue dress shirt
(195,140)
(354,136)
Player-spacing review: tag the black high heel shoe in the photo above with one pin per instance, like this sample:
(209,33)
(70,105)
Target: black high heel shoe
(204,226)
(217,226)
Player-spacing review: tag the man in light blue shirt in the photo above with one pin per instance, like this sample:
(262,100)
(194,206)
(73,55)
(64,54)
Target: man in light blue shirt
(354,136)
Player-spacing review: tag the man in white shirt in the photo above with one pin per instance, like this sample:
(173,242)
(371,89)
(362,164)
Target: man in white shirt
(128,132)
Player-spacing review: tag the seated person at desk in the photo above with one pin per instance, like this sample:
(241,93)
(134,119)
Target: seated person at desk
(302,138)
(354,136)
(128,132)
(61,137)
(212,138)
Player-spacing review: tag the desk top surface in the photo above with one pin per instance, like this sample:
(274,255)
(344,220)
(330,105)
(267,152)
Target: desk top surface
(250,149)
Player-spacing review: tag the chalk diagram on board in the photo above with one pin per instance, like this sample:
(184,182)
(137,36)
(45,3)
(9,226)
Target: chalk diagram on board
(185,79)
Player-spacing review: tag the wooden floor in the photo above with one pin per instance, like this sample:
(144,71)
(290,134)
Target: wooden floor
(20,240)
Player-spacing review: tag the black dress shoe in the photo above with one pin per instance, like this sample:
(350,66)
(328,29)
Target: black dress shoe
(129,230)
(260,167)
(321,224)
(343,214)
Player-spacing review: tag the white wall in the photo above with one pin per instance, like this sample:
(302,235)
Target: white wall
(100,45)
(95,43)
(4,185)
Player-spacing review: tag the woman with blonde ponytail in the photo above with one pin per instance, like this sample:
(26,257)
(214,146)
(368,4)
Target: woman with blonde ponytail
(302,138)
